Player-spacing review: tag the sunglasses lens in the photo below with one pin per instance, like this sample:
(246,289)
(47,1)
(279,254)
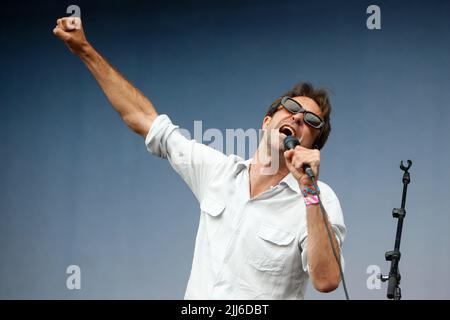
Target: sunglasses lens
(312,120)
(292,106)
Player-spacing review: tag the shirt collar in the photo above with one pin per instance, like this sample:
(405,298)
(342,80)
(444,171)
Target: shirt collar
(288,179)
(242,164)
(291,182)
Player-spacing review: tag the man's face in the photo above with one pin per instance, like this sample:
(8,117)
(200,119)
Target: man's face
(282,119)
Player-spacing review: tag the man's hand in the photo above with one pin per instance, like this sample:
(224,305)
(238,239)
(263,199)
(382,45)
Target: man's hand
(134,108)
(297,158)
(70,30)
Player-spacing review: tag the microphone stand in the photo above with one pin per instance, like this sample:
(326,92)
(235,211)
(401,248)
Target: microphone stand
(394,291)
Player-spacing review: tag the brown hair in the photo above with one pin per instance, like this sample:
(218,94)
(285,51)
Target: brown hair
(320,96)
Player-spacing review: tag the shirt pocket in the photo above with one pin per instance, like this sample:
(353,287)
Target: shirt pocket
(213,210)
(271,248)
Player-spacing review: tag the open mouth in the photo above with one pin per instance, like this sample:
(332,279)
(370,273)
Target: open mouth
(287,130)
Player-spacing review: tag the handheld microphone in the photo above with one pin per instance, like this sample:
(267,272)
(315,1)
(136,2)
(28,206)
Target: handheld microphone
(290,142)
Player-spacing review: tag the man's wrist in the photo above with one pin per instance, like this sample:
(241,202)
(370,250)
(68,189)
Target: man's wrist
(85,52)
(311,200)
(310,194)
(305,183)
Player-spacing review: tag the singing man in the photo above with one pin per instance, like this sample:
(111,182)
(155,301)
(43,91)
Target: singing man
(263,232)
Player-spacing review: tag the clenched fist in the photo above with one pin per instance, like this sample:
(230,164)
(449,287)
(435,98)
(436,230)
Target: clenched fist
(297,158)
(71,31)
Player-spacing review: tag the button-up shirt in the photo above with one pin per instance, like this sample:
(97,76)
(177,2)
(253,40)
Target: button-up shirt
(246,248)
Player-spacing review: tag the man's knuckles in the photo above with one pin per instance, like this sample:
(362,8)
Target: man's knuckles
(68,23)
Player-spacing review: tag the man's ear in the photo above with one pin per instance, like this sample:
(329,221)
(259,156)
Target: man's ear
(266,121)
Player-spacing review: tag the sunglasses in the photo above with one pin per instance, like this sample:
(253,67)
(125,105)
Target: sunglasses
(310,118)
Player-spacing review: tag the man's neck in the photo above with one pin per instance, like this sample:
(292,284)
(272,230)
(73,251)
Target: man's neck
(265,171)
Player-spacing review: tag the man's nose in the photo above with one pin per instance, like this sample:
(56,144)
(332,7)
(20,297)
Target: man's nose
(298,118)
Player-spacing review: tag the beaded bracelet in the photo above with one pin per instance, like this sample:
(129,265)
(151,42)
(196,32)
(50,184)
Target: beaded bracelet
(311,195)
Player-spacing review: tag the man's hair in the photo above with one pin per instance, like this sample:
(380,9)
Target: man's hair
(320,96)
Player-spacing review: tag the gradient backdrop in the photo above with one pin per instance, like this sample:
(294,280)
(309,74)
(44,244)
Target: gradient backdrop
(77,187)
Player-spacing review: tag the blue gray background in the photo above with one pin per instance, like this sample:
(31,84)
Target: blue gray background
(77,187)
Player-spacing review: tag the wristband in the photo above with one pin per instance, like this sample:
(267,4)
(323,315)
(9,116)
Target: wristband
(311,195)
(311,200)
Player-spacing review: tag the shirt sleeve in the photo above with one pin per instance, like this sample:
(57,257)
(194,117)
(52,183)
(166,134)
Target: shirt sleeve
(193,161)
(335,217)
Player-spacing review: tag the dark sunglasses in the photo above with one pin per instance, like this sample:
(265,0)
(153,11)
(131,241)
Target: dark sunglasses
(310,118)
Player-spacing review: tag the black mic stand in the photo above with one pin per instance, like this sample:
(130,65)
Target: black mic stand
(394,291)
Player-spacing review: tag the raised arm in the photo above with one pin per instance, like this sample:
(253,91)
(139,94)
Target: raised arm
(135,109)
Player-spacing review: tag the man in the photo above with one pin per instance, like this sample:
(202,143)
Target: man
(262,231)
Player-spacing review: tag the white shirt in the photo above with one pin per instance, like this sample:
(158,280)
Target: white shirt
(245,248)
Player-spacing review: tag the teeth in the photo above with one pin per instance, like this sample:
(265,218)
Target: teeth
(287,131)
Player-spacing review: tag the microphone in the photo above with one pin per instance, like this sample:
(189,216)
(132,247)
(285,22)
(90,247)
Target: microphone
(290,142)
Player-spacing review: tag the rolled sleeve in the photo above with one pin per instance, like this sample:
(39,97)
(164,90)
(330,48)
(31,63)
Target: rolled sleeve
(193,161)
(156,140)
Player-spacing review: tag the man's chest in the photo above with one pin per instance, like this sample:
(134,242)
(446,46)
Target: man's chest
(229,208)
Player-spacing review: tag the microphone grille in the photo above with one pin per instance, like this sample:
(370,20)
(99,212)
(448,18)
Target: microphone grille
(290,142)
